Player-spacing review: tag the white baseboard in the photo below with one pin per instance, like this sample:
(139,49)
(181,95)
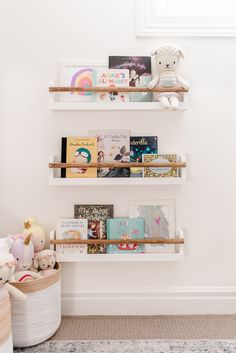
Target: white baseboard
(178,301)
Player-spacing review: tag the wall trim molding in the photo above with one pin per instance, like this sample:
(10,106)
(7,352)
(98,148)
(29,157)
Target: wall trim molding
(145,27)
(176,301)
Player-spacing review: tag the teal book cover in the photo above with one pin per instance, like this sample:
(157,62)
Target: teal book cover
(125,228)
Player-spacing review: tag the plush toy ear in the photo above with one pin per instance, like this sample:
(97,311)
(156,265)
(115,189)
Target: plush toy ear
(36,261)
(181,54)
(154,52)
(56,256)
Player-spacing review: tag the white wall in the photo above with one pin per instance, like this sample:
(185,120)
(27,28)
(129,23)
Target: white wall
(35,36)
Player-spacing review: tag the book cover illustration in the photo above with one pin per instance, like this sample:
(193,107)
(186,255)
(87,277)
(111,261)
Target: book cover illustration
(159,220)
(111,78)
(160,172)
(79,150)
(125,228)
(140,145)
(69,228)
(95,213)
(75,75)
(113,146)
(140,73)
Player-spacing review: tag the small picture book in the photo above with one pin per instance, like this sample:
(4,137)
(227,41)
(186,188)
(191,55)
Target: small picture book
(97,216)
(75,75)
(160,172)
(125,228)
(140,145)
(113,146)
(140,73)
(79,150)
(111,78)
(69,228)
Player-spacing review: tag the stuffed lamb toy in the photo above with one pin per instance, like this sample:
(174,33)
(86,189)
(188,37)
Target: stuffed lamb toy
(167,57)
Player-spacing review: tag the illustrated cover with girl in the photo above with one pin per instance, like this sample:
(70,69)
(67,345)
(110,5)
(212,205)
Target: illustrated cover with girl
(78,150)
(70,228)
(140,73)
(113,146)
(97,216)
(111,78)
(125,228)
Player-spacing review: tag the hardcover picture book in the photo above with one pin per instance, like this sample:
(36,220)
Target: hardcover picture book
(111,78)
(160,172)
(125,228)
(75,75)
(97,216)
(140,145)
(113,146)
(159,220)
(140,73)
(69,228)
(79,150)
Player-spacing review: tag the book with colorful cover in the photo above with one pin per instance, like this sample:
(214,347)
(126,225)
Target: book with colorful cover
(95,214)
(113,146)
(125,228)
(140,145)
(76,75)
(111,78)
(70,228)
(140,74)
(160,172)
(79,150)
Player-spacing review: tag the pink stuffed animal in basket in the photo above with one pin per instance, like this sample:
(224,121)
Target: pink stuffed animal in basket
(45,261)
(23,251)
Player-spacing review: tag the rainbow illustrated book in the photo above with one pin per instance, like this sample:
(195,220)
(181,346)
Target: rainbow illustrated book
(75,75)
(125,228)
(113,146)
(140,145)
(111,78)
(97,216)
(70,228)
(161,172)
(140,73)
(79,150)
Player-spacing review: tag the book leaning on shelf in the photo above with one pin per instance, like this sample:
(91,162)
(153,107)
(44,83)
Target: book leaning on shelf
(79,150)
(70,228)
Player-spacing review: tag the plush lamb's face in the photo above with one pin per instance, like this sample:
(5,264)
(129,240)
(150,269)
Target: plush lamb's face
(166,63)
(47,262)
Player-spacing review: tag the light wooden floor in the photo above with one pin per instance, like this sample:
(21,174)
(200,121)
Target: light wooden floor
(147,327)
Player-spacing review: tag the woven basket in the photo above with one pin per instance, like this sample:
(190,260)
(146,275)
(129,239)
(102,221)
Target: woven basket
(37,319)
(5,322)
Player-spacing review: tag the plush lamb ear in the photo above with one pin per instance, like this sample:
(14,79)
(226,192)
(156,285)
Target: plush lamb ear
(56,256)
(181,54)
(154,52)
(36,261)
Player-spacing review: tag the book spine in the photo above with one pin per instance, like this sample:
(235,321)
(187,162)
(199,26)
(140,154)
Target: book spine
(63,155)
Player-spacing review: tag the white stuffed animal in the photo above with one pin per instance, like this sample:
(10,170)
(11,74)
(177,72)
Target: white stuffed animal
(7,269)
(45,262)
(32,227)
(167,57)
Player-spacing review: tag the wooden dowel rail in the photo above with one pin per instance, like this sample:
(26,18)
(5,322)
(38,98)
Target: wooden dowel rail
(117,241)
(118,165)
(116,89)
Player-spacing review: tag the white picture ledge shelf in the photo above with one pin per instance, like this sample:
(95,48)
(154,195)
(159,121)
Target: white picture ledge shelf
(178,255)
(57,103)
(56,180)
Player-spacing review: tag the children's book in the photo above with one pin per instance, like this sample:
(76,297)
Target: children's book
(69,228)
(125,228)
(160,172)
(140,145)
(113,146)
(111,78)
(97,216)
(79,150)
(140,73)
(75,75)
